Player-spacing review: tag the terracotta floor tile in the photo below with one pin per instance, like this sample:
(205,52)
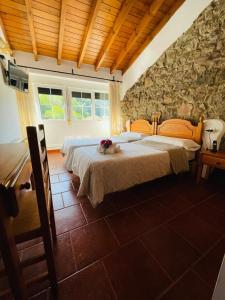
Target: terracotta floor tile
(209,266)
(217,201)
(199,233)
(33,270)
(57,201)
(153,213)
(32,252)
(4,285)
(90,283)
(164,185)
(69,218)
(190,287)
(61,187)
(7,296)
(64,176)
(134,270)
(139,193)
(173,253)
(134,274)
(54,178)
(63,255)
(127,198)
(103,209)
(56,171)
(211,215)
(92,242)
(29,243)
(176,201)
(52,165)
(41,296)
(126,225)
(64,261)
(69,198)
(195,192)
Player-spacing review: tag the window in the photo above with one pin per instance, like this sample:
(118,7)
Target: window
(90,105)
(51,103)
(81,106)
(101,106)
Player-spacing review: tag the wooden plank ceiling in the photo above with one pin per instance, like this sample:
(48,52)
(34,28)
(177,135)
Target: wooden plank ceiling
(103,33)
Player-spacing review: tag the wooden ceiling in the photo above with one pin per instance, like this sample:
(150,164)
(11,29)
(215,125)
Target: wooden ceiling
(103,33)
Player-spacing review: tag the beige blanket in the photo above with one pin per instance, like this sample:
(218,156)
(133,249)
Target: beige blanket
(102,174)
(178,157)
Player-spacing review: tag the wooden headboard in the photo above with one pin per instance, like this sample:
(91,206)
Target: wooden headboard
(143,126)
(181,129)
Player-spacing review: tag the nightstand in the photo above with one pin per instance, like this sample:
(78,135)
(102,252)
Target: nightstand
(212,160)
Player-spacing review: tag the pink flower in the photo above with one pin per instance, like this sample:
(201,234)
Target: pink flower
(106,143)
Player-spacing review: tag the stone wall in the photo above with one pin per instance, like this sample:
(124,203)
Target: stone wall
(188,80)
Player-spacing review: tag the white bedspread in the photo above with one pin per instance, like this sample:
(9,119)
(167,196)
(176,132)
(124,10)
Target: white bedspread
(71,144)
(71,141)
(102,174)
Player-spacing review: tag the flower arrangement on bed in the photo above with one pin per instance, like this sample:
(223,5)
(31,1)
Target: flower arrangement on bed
(108,147)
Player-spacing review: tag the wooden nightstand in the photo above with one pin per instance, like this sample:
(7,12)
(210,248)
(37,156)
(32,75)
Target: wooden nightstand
(212,160)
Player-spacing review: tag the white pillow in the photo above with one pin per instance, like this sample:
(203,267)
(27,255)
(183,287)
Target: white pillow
(187,144)
(132,136)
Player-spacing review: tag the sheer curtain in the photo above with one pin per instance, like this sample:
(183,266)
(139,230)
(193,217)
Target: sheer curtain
(114,95)
(27,110)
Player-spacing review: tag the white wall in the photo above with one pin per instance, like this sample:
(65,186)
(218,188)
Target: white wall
(44,62)
(178,24)
(9,118)
(56,130)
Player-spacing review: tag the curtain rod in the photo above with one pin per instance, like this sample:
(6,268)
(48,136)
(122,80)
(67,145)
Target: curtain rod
(72,73)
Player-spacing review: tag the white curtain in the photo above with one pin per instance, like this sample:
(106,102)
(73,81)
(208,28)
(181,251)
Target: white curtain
(27,110)
(115,121)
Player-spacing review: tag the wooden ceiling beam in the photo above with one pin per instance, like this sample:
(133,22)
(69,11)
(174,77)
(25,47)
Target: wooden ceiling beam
(5,37)
(93,14)
(156,30)
(124,11)
(30,19)
(3,31)
(61,30)
(149,15)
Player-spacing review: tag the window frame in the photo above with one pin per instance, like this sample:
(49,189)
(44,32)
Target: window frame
(67,96)
(81,90)
(92,92)
(51,86)
(101,92)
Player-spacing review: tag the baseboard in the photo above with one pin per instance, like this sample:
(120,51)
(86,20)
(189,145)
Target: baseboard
(54,147)
(52,151)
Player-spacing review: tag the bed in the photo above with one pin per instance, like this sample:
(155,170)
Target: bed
(139,126)
(136,131)
(138,162)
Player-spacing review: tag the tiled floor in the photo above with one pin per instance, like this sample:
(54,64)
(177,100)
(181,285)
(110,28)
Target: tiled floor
(161,240)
